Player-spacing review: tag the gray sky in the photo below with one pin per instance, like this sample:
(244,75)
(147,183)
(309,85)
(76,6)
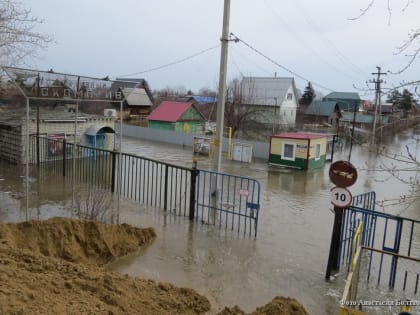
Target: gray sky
(314,39)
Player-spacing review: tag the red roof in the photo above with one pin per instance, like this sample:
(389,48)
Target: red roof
(169,111)
(301,135)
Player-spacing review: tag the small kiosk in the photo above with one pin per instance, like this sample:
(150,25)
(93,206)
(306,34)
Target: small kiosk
(300,150)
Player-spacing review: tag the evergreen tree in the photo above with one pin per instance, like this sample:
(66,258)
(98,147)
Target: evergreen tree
(403,101)
(308,95)
(394,97)
(407,100)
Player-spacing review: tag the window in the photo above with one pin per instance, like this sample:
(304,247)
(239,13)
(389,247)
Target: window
(288,151)
(289,96)
(318,151)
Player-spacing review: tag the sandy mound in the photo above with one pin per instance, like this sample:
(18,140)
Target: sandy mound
(278,306)
(51,267)
(75,240)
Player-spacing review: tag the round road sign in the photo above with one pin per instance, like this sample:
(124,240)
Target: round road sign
(343,173)
(340,197)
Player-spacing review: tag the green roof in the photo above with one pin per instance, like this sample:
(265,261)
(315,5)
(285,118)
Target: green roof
(343,96)
(321,108)
(362,118)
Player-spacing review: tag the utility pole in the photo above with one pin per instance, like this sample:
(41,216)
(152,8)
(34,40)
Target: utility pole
(377,82)
(222,86)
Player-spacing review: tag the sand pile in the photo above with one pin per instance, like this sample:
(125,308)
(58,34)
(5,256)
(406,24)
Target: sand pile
(53,267)
(75,240)
(278,306)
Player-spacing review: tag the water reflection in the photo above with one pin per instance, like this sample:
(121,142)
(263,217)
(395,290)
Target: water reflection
(296,182)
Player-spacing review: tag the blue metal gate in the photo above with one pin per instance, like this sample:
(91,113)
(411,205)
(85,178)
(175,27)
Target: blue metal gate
(229,201)
(386,238)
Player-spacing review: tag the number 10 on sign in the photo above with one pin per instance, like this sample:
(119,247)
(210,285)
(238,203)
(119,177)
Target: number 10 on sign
(340,197)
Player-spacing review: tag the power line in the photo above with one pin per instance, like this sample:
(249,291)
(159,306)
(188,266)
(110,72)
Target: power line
(172,63)
(302,40)
(343,58)
(278,64)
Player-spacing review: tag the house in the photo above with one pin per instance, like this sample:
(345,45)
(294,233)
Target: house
(347,101)
(362,120)
(177,116)
(320,112)
(138,99)
(331,107)
(207,105)
(202,100)
(301,150)
(274,98)
(384,108)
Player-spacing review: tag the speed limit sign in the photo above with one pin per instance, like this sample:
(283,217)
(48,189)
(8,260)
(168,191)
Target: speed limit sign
(341,197)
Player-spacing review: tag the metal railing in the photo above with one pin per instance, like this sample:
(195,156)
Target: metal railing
(234,204)
(180,190)
(348,302)
(389,258)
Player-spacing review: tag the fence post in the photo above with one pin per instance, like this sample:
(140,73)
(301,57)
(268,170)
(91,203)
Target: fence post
(64,157)
(194,174)
(165,194)
(113,154)
(333,257)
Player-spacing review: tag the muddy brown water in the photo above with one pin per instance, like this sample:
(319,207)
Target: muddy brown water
(288,257)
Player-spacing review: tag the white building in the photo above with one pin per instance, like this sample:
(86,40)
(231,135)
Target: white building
(275,97)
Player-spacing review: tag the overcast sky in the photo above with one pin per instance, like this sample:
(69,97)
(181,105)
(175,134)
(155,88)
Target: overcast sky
(314,39)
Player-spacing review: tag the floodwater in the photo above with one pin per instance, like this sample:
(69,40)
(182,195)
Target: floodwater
(289,256)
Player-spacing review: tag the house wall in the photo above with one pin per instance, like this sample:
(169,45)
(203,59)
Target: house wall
(301,153)
(182,126)
(316,163)
(189,126)
(288,109)
(276,152)
(163,125)
(13,139)
(191,114)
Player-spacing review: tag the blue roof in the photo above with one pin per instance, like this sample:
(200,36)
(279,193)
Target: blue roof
(204,99)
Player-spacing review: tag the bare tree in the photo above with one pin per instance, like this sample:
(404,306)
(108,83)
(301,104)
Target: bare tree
(94,204)
(239,116)
(410,46)
(18,38)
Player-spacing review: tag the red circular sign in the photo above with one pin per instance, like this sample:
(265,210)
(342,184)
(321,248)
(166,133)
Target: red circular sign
(343,173)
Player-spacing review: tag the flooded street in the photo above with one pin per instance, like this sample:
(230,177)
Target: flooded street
(289,256)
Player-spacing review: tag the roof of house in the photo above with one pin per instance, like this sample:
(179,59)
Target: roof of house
(170,111)
(136,97)
(362,118)
(203,99)
(301,135)
(122,83)
(343,95)
(321,108)
(266,91)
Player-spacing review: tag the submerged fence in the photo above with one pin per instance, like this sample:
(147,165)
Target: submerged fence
(212,198)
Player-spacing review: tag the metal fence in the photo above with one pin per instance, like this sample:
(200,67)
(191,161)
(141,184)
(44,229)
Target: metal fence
(351,220)
(180,190)
(228,201)
(390,257)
